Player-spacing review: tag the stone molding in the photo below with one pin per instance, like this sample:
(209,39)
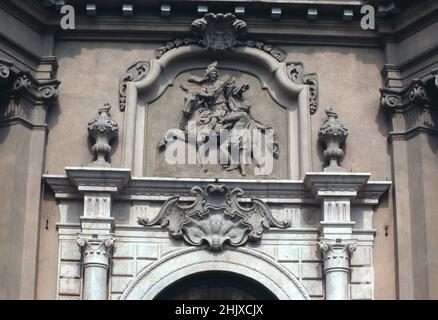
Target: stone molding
(218,259)
(137,72)
(98,179)
(414,108)
(296,74)
(336,184)
(127,188)
(229,28)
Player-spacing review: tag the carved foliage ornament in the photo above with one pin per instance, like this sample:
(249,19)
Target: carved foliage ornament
(295,72)
(333,134)
(215,218)
(25,83)
(136,72)
(102,129)
(220,32)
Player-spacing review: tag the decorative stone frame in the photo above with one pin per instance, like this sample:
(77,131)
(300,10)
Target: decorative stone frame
(156,76)
(182,263)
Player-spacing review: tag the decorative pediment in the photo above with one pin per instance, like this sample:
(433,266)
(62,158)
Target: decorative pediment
(215,218)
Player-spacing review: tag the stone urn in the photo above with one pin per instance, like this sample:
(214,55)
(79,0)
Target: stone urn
(333,134)
(102,129)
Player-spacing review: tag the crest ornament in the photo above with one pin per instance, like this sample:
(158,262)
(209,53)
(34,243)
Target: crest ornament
(215,218)
(218,31)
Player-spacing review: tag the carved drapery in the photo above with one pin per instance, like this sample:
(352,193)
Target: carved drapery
(216,217)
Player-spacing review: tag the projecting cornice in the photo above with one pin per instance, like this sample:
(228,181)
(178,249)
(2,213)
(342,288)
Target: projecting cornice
(161,189)
(293,26)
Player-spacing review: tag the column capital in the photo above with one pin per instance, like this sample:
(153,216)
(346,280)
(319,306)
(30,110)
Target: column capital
(96,244)
(337,253)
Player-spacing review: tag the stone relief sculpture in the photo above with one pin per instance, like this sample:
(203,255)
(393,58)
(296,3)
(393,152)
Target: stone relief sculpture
(214,108)
(333,134)
(220,32)
(215,218)
(102,129)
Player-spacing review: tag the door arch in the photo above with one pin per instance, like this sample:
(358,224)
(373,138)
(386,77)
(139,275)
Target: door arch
(177,265)
(215,285)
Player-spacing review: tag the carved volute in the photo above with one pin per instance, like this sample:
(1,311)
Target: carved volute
(215,218)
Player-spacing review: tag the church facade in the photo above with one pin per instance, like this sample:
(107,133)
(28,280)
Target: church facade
(218,150)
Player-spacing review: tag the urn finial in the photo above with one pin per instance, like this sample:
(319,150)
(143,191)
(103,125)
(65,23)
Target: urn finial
(102,129)
(333,134)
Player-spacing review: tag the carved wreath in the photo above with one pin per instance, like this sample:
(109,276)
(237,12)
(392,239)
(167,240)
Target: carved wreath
(215,218)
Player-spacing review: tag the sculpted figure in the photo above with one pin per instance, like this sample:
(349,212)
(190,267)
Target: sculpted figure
(212,105)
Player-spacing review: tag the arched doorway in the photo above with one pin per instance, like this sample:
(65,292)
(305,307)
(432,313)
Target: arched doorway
(242,262)
(215,285)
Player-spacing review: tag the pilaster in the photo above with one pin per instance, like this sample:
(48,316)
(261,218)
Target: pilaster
(24,104)
(412,112)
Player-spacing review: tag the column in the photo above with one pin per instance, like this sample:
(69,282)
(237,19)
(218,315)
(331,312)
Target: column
(99,186)
(335,190)
(96,260)
(337,267)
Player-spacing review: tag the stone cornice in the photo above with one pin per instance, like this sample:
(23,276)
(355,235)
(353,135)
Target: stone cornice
(161,189)
(336,184)
(288,30)
(98,179)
